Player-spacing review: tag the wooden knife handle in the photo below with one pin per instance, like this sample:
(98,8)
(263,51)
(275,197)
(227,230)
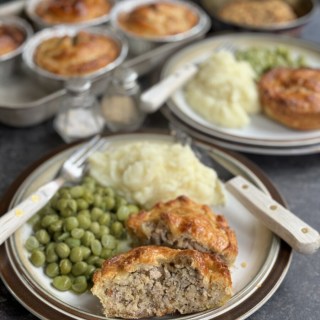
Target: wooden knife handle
(298,234)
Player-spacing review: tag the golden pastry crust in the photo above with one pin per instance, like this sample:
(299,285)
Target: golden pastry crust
(182,223)
(154,281)
(72,11)
(11,38)
(158,19)
(257,13)
(292,97)
(79,55)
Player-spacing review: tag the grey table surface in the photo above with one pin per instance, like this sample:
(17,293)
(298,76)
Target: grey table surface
(296,177)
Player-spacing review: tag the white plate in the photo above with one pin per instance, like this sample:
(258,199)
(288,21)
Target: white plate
(260,267)
(237,146)
(261,131)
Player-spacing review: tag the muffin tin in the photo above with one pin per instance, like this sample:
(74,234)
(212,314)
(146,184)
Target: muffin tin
(24,103)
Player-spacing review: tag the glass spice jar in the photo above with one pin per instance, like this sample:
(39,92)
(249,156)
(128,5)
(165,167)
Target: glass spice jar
(121,102)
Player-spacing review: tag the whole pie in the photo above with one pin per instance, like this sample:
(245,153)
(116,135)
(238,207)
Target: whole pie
(76,55)
(72,11)
(11,38)
(291,96)
(158,19)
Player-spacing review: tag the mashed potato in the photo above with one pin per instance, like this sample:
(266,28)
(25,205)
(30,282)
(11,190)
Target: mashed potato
(149,172)
(224,91)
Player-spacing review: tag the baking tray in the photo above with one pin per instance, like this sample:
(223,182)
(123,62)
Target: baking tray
(23,104)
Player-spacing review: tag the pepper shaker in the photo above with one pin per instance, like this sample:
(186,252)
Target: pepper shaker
(121,102)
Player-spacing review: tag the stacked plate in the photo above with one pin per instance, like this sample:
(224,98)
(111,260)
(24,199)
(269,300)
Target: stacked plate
(262,135)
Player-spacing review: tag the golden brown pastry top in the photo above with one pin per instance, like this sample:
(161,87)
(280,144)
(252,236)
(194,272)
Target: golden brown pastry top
(257,13)
(79,55)
(184,217)
(72,11)
(292,96)
(209,266)
(11,38)
(158,19)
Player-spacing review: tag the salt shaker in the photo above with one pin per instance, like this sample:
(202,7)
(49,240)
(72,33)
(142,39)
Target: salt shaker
(121,102)
(80,114)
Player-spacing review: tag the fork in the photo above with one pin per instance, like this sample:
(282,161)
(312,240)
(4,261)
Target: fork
(153,98)
(71,171)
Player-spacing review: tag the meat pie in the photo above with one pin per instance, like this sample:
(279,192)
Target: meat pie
(155,281)
(184,224)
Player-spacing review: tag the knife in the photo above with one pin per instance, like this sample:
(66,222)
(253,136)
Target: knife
(285,224)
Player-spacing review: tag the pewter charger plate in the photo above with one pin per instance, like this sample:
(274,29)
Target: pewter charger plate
(260,267)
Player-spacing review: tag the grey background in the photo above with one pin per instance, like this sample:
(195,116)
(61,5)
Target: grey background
(296,177)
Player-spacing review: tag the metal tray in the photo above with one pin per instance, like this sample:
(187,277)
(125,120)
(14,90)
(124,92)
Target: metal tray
(22,103)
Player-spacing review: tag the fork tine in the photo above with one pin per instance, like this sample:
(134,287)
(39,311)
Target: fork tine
(79,152)
(98,145)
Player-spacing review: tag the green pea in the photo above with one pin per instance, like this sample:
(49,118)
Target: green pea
(85,212)
(51,255)
(72,242)
(123,213)
(77,233)
(64,192)
(69,209)
(86,252)
(76,255)
(37,258)
(65,266)
(62,204)
(70,223)
(103,230)
(82,204)
(79,268)
(109,203)
(52,270)
(43,236)
(117,229)
(79,285)
(47,210)
(105,253)
(95,228)
(133,209)
(77,192)
(92,260)
(56,226)
(96,213)
(120,202)
(90,271)
(48,220)
(62,283)
(32,243)
(88,197)
(97,201)
(96,247)
(87,238)
(63,236)
(84,221)
(105,219)
(62,250)
(108,241)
